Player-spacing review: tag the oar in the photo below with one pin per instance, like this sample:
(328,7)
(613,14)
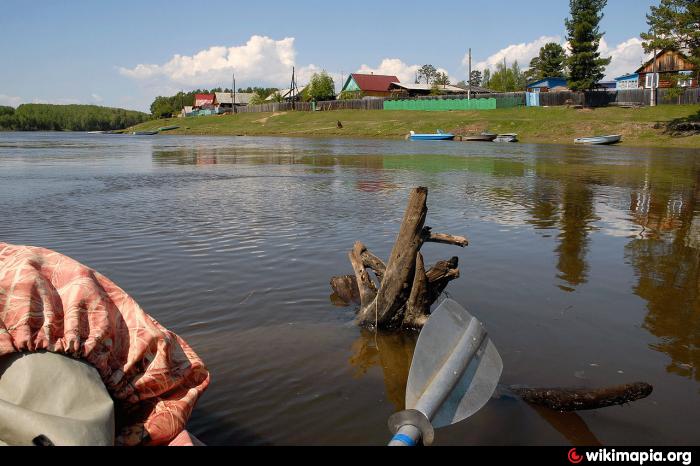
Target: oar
(454,372)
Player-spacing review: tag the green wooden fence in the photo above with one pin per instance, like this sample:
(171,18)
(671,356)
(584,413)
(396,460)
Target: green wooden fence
(441,104)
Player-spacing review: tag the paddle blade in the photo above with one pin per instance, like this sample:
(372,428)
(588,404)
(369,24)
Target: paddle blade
(446,329)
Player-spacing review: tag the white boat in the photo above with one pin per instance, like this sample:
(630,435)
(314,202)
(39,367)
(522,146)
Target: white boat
(508,137)
(599,140)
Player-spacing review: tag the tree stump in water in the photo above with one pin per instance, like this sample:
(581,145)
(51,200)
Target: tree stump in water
(405,289)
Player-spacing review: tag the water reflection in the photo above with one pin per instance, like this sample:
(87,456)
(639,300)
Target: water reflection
(667,264)
(393,353)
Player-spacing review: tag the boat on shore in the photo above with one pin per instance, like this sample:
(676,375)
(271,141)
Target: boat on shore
(168,128)
(437,136)
(144,133)
(508,137)
(599,140)
(483,137)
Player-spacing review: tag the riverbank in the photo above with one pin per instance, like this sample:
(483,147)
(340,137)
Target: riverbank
(646,126)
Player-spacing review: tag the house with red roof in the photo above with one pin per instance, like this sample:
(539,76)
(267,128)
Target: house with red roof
(204,101)
(369,85)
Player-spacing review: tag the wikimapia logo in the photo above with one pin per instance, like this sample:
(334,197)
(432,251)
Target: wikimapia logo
(638,457)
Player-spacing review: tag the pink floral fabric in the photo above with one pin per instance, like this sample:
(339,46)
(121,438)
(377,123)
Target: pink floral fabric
(51,302)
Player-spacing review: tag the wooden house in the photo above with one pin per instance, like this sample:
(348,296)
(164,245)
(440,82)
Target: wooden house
(224,100)
(369,85)
(668,63)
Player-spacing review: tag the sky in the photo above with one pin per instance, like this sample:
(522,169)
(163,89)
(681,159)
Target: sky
(124,53)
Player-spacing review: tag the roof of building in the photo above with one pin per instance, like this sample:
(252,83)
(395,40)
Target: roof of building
(427,87)
(546,80)
(374,82)
(285,93)
(203,99)
(241,97)
(476,89)
(682,55)
(627,76)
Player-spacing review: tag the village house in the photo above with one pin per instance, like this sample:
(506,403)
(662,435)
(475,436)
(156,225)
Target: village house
(627,81)
(667,63)
(204,101)
(368,85)
(287,94)
(397,89)
(548,84)
(223,101)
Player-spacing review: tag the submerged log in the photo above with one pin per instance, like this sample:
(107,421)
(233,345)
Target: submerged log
(404,291)
(583,399)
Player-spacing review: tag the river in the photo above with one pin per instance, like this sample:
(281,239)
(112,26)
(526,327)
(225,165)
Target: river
(583,263)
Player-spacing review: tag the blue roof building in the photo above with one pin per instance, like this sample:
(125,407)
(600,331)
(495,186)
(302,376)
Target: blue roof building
(628,81)
(544,85)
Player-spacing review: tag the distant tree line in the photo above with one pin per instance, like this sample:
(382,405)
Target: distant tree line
(46,117)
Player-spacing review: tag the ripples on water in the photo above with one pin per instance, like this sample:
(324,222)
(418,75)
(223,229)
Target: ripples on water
(584,264)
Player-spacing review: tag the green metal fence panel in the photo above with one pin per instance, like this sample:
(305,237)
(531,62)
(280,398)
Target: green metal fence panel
(442,105)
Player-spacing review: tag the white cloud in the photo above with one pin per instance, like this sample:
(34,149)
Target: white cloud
(260,60)
(523,53)
(626,56)
(96,97)
(12,101)
(396,67)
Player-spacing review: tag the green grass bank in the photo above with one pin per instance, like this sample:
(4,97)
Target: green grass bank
(644,127)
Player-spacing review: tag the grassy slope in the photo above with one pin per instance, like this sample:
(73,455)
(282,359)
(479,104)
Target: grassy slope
(640,127)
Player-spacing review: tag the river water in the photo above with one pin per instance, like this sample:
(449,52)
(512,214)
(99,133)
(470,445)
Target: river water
(584,264)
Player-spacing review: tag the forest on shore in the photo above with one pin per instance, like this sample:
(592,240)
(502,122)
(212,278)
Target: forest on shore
(47,117)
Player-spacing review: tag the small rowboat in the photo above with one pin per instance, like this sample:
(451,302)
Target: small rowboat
(509,137)
(144,133)
(438,136)
(599,140)
(168,128)
(483,137)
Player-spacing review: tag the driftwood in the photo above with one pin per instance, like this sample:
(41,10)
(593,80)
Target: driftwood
(582,399)
(404,291)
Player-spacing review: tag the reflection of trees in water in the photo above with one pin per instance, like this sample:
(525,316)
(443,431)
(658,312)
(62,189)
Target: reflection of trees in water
(577,214)
(668,267)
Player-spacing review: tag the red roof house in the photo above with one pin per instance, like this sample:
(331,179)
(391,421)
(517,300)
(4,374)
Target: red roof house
(204,100)
(373,85)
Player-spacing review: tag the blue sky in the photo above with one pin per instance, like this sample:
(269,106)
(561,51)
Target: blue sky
(90,51)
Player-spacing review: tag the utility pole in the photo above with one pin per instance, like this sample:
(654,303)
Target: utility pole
(233,94)
(469,78)
(653,75)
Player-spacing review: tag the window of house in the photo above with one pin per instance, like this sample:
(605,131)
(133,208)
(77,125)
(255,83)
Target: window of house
(685,78)
(652,80)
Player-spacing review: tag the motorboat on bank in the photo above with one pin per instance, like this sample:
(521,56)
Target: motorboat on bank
(599,140)
(437,136)
(508,137)
(483,137)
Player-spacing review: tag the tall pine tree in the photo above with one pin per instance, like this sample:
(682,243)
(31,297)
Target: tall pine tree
(549,63)
(586,67)
(675,25)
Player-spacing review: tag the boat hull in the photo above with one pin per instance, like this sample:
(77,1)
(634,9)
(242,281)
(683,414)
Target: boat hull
(599,140)
(506,138)
(482,138)
(431,137)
